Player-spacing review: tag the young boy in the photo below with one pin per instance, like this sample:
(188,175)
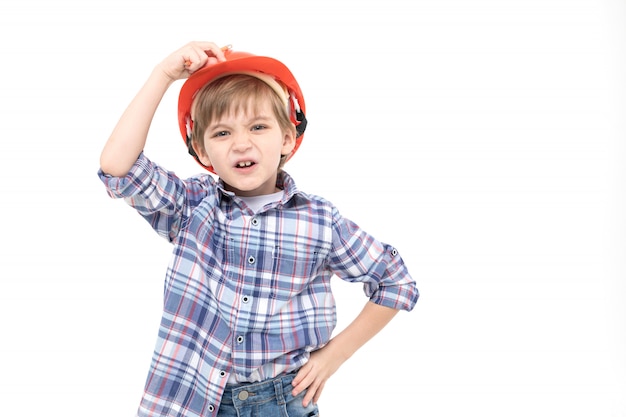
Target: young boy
(248,311)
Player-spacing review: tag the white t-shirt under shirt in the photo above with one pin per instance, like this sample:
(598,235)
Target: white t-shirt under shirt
(257,202)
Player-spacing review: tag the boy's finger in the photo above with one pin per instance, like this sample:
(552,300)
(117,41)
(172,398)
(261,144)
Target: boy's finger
(218,52)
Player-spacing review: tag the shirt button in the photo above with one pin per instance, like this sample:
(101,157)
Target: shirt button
(240,339)
(251,260)
(254,221)
(245,299)
(211,408)
(222,374)
(394,252)
(243,395)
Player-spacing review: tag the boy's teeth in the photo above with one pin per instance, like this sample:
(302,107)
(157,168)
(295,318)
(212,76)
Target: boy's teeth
(244,164)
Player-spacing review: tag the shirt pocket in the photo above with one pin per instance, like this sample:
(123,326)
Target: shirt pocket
(293,268)
(215,250)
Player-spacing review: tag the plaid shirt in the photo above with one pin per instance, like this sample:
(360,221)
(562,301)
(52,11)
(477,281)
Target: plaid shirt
(247,293)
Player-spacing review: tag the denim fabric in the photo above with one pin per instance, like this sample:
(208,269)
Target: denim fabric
(271,398)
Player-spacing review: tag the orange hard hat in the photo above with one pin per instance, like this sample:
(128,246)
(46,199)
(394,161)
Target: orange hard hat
(267,69)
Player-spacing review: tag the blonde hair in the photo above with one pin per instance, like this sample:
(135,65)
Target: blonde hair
(232,94)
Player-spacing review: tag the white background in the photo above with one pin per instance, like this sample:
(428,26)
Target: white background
(484,139)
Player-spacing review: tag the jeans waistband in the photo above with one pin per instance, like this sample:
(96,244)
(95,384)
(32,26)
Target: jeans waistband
(252,392)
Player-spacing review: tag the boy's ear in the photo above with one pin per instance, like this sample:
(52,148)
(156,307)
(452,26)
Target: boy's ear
(201,154)
(289,142)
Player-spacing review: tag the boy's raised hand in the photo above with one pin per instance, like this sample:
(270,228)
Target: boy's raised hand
(129,136)
(190,58)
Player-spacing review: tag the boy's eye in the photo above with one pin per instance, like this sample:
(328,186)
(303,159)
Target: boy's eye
(221,133)
(258,127)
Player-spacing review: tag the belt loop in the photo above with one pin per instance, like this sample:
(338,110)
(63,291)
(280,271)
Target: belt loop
(278,389)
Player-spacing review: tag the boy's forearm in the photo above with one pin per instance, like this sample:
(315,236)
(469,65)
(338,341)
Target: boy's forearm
(129,135)
(366,325)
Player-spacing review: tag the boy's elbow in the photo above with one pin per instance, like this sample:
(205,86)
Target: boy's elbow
(117,164)
(112,167)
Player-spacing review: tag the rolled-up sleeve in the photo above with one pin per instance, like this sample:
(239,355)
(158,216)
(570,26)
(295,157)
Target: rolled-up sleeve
(158,195)
(137,179)
(359,257)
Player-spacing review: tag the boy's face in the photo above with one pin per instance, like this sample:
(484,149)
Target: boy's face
(244,150)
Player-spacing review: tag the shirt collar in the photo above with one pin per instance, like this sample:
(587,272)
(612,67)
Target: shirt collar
(284,181)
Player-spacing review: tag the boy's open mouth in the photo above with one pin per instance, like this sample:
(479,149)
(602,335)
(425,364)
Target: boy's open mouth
(244,164)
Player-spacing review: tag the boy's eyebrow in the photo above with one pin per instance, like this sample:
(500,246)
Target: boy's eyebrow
(258,118)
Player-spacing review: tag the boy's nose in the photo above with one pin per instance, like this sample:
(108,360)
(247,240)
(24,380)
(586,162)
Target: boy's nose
(241,141)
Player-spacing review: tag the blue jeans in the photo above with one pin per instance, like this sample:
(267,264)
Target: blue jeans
(270,398)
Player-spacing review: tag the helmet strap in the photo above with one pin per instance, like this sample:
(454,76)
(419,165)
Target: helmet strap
(302,125)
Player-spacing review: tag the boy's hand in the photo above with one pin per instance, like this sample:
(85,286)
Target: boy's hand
(190,58)
(313,375)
